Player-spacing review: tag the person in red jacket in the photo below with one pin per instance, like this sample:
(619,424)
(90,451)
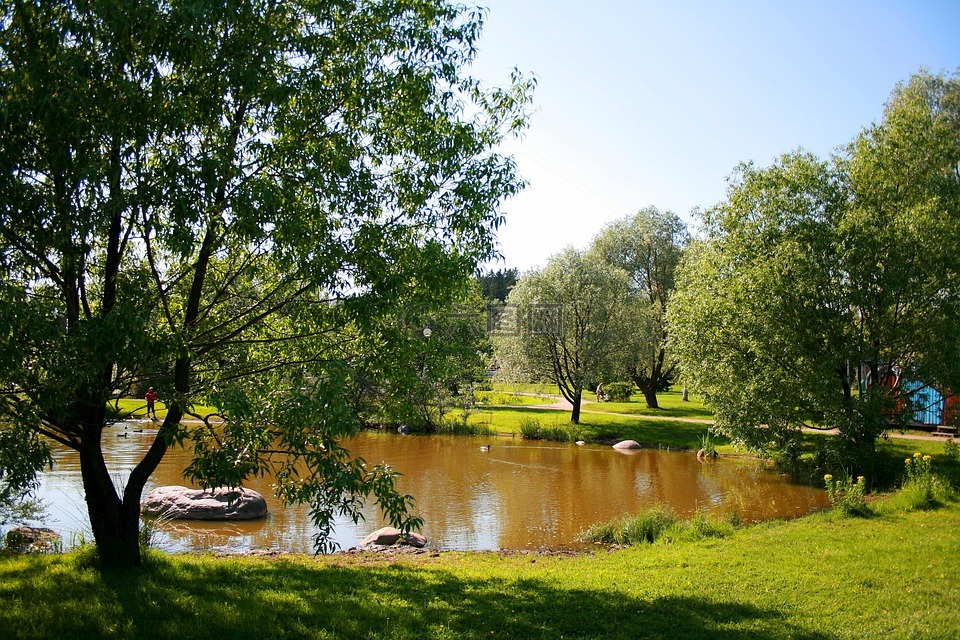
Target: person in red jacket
(151,396)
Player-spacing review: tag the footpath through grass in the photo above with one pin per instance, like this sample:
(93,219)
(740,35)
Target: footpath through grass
(823,577)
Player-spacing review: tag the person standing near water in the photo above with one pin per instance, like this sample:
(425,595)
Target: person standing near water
(151,397)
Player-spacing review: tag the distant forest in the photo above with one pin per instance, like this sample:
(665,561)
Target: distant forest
(495,285)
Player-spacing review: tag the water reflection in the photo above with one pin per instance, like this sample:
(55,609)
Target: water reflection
(515,495)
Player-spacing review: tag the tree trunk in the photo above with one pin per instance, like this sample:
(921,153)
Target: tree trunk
(575,415)
(684,397)
(115,524)
(115,521)
(650,396)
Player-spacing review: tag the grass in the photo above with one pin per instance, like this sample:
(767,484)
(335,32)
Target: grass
(598,427)
(510,398)
(660,524)
(671,406)
(819,577)
(137,408)
(537,388)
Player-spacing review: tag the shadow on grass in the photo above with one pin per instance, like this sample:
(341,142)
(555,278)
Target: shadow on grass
(221,599)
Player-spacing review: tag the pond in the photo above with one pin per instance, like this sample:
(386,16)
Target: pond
(516,495)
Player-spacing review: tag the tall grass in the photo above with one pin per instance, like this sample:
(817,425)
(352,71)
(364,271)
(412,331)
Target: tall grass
(455,427)
(530,428)
(922,489)
(660,523)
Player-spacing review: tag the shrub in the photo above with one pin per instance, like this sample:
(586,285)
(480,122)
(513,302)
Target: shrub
(530,429)
(921,489)
(951,451)
(618,391)
(847,495)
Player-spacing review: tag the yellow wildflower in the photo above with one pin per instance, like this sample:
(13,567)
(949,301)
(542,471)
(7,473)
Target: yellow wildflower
(908,461)
(916,455)
(927,458)
(828,477)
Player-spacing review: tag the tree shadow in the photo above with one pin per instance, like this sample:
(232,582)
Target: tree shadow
(293,599)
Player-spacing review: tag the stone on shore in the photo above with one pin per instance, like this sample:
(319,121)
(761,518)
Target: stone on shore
(222,503)
(32,539)
(388,536)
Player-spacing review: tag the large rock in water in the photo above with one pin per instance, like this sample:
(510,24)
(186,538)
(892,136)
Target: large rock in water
(626,444)
(388,536)
(222,503)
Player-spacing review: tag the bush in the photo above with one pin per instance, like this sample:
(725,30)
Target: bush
(618,391)
(922,489)
(847,495)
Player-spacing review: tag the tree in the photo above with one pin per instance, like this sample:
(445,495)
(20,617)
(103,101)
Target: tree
(566,323)
(817,279)
(496,285)
(648,247)
(231,201)
(446,352)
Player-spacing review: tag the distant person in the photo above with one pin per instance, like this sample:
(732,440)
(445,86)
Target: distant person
(600,392)
(151,397)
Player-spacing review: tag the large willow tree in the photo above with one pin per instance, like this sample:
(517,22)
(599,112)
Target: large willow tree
(817,278)
(225,199)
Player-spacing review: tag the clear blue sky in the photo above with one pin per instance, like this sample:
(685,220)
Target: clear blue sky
(653,102)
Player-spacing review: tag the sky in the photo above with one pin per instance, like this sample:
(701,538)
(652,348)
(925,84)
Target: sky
(655,102)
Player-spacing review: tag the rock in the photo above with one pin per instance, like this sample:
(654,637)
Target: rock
(414,539)
(390,535)
(403,429)
(627,444)
(579,443)
(222,503)
(32,539)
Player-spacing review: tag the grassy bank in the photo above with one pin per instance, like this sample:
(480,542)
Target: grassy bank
(890,576)
(597,427)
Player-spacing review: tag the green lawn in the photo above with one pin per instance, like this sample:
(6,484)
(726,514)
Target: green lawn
(137,408)
(503,398)
(819,577)
(671,406)
(598,427)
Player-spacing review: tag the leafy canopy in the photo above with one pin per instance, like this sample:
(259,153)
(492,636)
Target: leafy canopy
(817,279)
(231,201)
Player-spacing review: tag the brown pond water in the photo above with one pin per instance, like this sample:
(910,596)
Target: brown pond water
(519,494)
